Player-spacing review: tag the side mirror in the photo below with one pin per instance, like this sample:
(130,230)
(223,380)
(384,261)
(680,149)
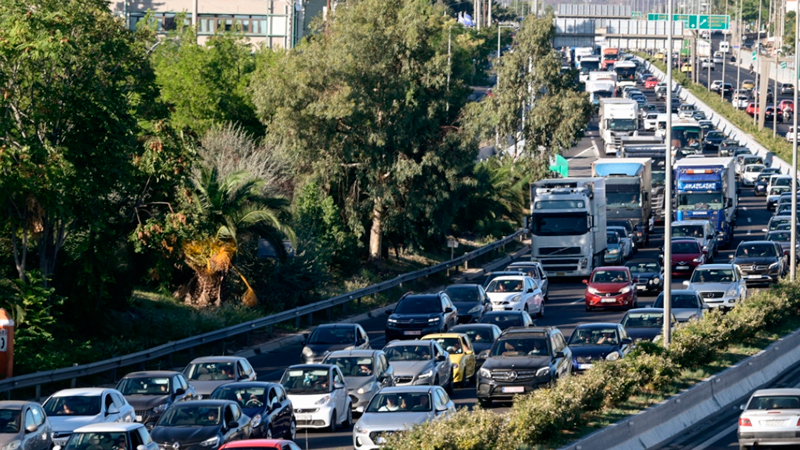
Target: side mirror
(440,358)
(180,391)
(233,424)
(559,354)
(441,408)
(730,202)
(686,283)
(484,354)
(529,291)
(141,447)
(275,406)
(56,447)
(305,339)
(389,311)
(740,407)
(730,256)
(33,428)
(627,341)
(764,230)
(338,386)
(361,342)
(585,281)
(448,310)
(112,410)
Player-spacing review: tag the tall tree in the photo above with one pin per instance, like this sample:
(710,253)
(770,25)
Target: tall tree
(367,109)
(74,84)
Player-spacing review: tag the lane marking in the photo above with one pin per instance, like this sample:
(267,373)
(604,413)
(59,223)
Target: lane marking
(579,154)
(578,302)
(749,220)
(749,232)
(596,151)
(717,437)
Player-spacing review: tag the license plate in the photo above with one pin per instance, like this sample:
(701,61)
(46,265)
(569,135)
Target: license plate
(513,389)
(641,287)
(61,442)
(584,366)
(774,423)
(305,417)
(412,333)
(683,267)
(138,418)
(560,274)
(753,277)
(608,300)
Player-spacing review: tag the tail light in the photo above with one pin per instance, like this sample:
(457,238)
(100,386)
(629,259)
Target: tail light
(745,422)
(798,422)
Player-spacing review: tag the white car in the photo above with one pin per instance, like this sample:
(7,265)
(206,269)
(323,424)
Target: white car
(516,293)
(718,58)
(625,239)
(706,63)
(319,396)
(770,417)
(790,134)
(719,285)
(686,111)
(650,122)
(110,435)
(750,173)
(716,86)
(70,409)
(740,101)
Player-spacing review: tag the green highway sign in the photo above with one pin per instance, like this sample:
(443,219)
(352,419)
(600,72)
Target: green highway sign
(697,22)
(755,55)
(653,16)
(783,64)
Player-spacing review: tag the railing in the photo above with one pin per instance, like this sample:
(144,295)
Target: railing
(71,373)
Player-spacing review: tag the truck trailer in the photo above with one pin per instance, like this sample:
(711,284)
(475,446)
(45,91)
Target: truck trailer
(618,117)
(705,189)
(628,186)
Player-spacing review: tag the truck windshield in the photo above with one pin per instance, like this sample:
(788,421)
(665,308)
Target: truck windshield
(687,231)
(622,124)
(658,177)
(603,94)
(707,201)
(629,199)
(560,224)
(625,74)
(686,134)
(589,66)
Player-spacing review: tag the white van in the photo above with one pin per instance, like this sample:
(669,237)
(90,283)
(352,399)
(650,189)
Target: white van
(724,47)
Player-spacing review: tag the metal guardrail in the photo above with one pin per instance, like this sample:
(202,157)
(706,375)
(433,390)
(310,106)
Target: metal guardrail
(69,373)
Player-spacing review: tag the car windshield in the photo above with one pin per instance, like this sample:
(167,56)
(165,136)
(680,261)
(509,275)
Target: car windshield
(612,238)
(746,250)
(685,248)
(774,223)
(609,276)
(463,293)
(754,168)
(190,416)
(751,160)
(594,336)
(764,177)
(144,386)
(522,346)
(782,181)
(332,336)
(782,236)
(97,441)
(643,320)
(678,301)
(687,231)
(353,366)
(79,405)
(419,305)
(409,352)
(715,135)
(643,267)
(778,190)
(246,397)
(451,345)
(503,320)
(400,402)
(9,421)
(477,334)
(210,371)
(306,381)
(504,285)
(712,276)
(774,402)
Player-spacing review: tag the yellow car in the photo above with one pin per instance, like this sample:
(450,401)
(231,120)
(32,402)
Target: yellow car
(660,55)
(748,85)
(462,355)
(686,67)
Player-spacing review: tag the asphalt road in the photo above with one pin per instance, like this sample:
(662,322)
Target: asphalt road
(565,308)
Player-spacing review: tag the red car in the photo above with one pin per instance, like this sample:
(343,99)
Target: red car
(611,287)
(266,444)
(751,109)
(686,256)
(651,83)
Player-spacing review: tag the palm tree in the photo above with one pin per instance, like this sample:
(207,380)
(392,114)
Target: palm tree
(227,208)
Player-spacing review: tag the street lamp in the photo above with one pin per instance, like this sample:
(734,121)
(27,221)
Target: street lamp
(668,187)
(793,242)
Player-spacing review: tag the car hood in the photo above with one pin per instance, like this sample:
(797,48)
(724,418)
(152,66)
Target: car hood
(647,334)
(756,260)
(144,402)
(183,434)
(502,296)
(5,438)
(71,423)
(516,362)
(410,368)
(305,401)
(464,307)
(684,314)
(609,287)
(644,275)
(205,388)
(355,383)
(594,351)
(706,287)
(684,257)
(393,421)
(321,349)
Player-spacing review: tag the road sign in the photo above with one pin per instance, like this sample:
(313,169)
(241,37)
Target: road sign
(653,16)
(697,22)
(636,15)
(783,64)
(755,55)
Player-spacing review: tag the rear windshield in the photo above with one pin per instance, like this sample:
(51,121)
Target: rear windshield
(463,293)
(774,402)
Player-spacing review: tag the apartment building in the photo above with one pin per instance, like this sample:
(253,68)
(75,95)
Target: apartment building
(275,23)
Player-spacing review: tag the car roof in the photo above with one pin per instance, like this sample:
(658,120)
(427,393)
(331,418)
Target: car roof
(510,277)
(646,310)
(762,242)
(354,352)
(14,404)
(250,384)
(595,325)
(75,392)
(409,341)
(310,366)
(674,240)
(442,335)
(620,268)
(202,403)
(503,313)
(715,266)
(109,427)
(690,222)
(151,373)
(682,291)
(255,443)
(406,389)
(528,330)
(783,391)
(465,326)
(208,359)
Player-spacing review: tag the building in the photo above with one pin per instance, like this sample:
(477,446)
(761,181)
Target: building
(275,23)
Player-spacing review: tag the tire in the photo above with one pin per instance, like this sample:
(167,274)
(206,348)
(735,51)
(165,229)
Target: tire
(348,421)
(540,314)
(449,387)
(292,433)
(485,402)
(332,427)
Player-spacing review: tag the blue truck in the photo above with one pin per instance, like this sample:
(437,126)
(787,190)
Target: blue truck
(705,189)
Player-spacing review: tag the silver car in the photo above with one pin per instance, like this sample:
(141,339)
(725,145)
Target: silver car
(365,373)
(686,305)
(211,372)
(420,363)
(398,408)
(719,285)
(770,418)
(534,270)
(35,432)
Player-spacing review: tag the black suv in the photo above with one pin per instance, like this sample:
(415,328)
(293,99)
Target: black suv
(760,261)
(522,360)
(419,314)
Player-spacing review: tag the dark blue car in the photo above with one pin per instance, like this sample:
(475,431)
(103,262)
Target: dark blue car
(266,403)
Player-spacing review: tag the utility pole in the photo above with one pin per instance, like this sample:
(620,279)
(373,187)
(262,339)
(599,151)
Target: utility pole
(775,82)
(668,188)
(328,19)
(793,240)
(722,91)
(758,112)
(739,50)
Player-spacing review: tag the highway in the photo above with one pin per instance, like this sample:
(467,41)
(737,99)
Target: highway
(565,308)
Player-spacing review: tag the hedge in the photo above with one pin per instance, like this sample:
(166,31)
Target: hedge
(540,419)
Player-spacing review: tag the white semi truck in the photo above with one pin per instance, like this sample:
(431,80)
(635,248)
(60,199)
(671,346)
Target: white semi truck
(568,225)
(618,117)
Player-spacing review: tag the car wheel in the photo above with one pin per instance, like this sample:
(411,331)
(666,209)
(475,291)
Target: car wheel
(348,423)
(485,402)
(332,427)
(292,434)
(540,314)
(449,387)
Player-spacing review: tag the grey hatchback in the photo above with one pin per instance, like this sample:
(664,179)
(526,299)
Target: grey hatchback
(25,424)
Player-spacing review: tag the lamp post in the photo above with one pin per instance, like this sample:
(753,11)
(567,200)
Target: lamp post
(793,250)
(668,187)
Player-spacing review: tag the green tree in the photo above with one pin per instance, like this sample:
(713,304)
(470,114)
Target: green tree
(206,84)
(74,85)
(368,110)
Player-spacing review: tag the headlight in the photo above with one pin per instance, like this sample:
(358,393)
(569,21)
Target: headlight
(774,265)
(425,375)
(256,420)
(390,320)
(694,317)
(731,293)
(515,298)
(433,320)
(307,352)
(364,389)
(613,356)
(543,372)
(323,400)
(476,309)
(593,290)
(698,259)
(210,442)
(359,429)
(13,445)
(613,251)
(625,290)
(485,373)
(160,408)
